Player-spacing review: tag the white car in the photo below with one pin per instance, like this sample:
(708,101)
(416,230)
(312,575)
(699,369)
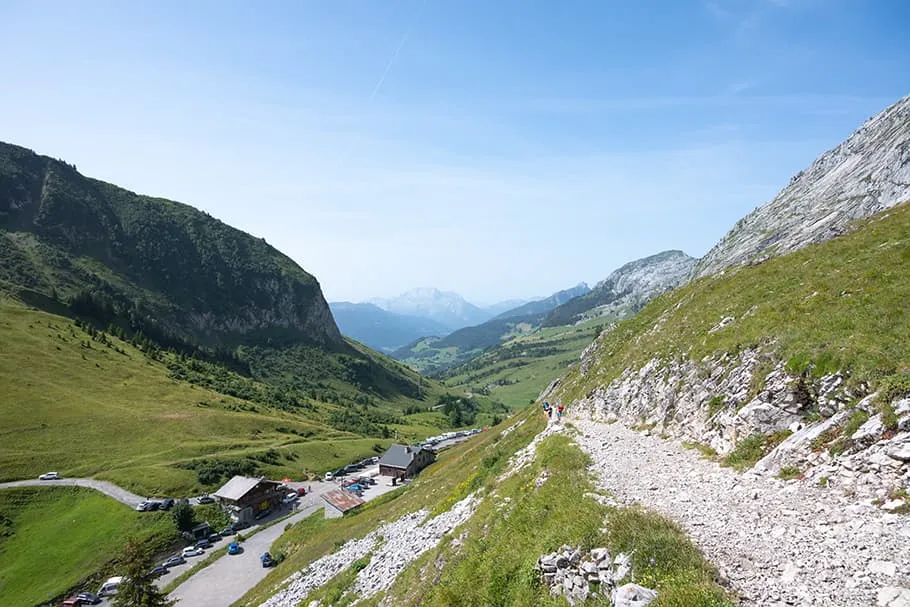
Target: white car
(49,476)
(289,498)
(192,551)
(329,476)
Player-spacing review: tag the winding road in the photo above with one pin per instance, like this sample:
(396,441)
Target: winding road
(111,490)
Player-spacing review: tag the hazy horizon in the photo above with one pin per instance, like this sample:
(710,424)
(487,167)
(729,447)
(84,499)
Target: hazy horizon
(498,150)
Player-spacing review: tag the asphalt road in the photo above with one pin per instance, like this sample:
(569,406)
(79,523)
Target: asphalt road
(121,495)
(232,575)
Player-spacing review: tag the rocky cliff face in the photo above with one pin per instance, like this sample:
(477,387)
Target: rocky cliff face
(867,173)
(627,289)
(151,262)
(831,432)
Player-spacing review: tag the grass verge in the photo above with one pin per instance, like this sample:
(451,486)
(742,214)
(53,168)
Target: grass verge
(61,538)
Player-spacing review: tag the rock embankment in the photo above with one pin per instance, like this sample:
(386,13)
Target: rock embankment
(391,548)
(776,542)
(578,576)
(720,400)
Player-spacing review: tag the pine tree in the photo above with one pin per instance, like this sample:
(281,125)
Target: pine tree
(137,588)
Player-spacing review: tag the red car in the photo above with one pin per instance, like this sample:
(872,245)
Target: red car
(301,490)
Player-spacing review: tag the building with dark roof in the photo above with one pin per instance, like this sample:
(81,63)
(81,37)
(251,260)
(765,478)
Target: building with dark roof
(243,497)
(405,461)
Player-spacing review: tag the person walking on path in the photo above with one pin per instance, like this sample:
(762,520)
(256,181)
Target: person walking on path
(548,409)
(559,409)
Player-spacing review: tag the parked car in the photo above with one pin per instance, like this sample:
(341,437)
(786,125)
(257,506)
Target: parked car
(49,476)
(290,497)
(158,571)
(234,548)
(229,530)
(71,602)
(301,490)
(144,507)
(329,476)
(174,561)
(192,551)
(203,544)
(109,587)
(167,503)
(240,525)
(214,537)
(88,598)
(206,499)
(266,559)
(262,514)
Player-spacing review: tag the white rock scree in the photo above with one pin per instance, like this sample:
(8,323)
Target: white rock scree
(776,543)
(393,546)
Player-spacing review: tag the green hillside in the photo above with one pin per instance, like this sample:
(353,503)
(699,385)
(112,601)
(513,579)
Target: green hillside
(171,277)
(434,355)
(838,305)
(493,558)
(99,406)
(53,538)
(515,372)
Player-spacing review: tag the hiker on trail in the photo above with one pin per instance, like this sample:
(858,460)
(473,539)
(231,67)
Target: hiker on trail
(548,409)
(559,409)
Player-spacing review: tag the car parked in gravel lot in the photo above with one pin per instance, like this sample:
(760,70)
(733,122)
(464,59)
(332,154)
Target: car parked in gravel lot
(174,561)
(192,551)
(88,598)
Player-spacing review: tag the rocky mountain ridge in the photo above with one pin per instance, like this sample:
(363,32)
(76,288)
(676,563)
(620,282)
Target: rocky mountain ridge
(627,288)
(868,172)
(63,235)
(545,304)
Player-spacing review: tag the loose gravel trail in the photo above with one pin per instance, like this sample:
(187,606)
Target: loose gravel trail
(775,542)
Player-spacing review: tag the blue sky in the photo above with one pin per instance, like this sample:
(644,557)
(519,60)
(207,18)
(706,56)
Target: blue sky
(499,149)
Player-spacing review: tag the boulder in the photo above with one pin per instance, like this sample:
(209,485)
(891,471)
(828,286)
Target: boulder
(633,595)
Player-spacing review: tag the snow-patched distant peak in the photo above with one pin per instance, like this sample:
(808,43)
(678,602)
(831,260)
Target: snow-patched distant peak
(446,307)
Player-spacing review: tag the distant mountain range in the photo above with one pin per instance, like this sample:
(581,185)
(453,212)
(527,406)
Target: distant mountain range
(626,289)
(544,305)
(435,353)
(445,307)
(382,330)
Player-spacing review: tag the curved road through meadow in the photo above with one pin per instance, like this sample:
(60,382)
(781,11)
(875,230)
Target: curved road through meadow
(111,490)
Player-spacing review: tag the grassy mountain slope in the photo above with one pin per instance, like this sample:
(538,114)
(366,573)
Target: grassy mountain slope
(167,273)
(490,559)
(516,372)
(839,305)
(83,407)
(162,261)
(53,538)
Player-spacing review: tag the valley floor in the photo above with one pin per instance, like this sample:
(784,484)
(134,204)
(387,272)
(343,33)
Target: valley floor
(776,542)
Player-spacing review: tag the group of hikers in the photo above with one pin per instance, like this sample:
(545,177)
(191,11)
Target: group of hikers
(548,409)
